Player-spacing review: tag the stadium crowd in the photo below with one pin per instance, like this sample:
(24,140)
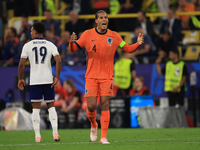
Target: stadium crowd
(157,43)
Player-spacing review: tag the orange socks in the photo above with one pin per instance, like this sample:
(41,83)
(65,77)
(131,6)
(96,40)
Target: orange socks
(105,119)
(92,118)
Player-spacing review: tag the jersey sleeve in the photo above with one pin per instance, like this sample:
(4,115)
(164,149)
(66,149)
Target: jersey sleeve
(54,50)
(119,40)
(81,41)
(24,53)
(128,48)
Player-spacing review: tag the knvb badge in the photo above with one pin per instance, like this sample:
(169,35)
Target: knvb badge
(109,40)
(86,91)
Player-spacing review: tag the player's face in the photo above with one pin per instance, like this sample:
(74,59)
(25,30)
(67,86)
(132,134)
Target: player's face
(33,33)
(102,21)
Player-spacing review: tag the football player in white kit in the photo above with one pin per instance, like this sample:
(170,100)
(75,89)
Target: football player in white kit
(39,52)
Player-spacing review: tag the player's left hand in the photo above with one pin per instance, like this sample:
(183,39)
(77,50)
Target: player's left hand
(21,84)
(175,89)
(55,81)
(140,39)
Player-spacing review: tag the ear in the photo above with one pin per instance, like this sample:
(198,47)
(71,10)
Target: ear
(95,20)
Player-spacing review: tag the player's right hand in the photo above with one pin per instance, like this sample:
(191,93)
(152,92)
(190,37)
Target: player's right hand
(73,37)
(55,81)
(21,84)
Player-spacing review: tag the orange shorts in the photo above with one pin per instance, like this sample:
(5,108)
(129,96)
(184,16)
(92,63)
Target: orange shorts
(95,86)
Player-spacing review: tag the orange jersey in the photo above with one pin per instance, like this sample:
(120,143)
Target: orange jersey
(101,49)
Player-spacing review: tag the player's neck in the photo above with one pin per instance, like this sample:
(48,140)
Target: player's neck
(39,37)
(101,30)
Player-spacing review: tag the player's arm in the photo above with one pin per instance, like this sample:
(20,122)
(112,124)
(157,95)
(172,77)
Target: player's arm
(58,69)
(133,47)
(75,44)
(24,55)
(21,82)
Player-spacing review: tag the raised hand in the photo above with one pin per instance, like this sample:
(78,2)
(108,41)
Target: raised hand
(140,39)
(73,37)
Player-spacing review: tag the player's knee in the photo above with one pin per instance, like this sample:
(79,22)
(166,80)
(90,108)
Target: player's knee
(105,105)
(91,108)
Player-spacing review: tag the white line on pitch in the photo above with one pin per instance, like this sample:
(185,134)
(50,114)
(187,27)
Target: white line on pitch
(73,143)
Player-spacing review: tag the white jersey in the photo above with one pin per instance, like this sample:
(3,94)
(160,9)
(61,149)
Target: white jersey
(39,52)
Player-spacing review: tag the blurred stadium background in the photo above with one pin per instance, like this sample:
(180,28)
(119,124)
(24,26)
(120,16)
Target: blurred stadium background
(167,25)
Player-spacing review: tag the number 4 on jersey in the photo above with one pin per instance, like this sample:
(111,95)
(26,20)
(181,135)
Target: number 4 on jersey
(94,48)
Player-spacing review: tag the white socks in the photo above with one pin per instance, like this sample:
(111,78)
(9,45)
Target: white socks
(53,119)
(36,122)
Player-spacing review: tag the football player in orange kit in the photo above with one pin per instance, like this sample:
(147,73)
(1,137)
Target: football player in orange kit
(101,45)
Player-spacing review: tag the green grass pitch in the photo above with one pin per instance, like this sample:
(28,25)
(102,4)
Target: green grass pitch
(120,139)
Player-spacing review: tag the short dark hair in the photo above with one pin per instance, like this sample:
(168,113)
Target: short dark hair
(39,27)
(96,15)
(13,31)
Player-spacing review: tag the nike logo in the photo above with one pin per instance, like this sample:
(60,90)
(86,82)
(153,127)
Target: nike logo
(93,40)
(106,121)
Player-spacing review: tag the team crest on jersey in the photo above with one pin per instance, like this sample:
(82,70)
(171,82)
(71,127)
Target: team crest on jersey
(86,91)
(109,40)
